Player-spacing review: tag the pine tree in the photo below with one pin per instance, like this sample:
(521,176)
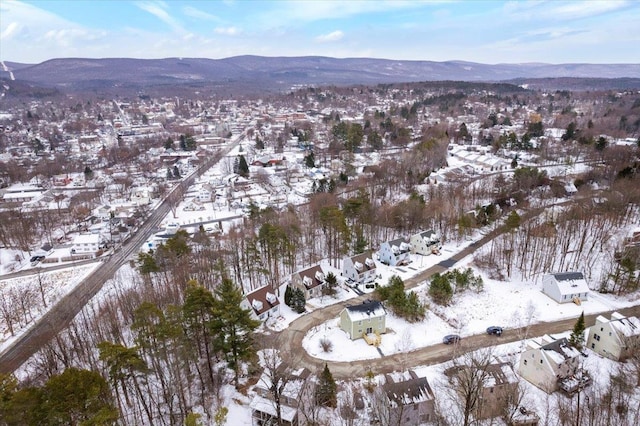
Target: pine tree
(232,326)
(298,301)
(326,390)
(577,335)
(288,293)
(243,167)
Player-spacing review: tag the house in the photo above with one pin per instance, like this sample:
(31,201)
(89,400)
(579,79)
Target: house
(499,383)
(262,303)
(86,244)
(394,252)
(551,364)
(425,243)
(359,269)
(565,287)
(369,317)
(614,338)
(411,400)
(311,281)
(263,406)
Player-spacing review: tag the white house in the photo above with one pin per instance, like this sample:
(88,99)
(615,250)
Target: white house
(311,281)
(262,303)
(86,244)
(394,252)
(425,243)
(359,269)
(550,363)
(565,287)
(614,338)
(366,318)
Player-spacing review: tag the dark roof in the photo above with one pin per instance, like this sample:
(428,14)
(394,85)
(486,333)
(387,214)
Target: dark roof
(366,306)
(414,390)
(568,276)
(261,296)
(362,258)
(311,273)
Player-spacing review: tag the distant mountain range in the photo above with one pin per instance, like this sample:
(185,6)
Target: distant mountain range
(278,73)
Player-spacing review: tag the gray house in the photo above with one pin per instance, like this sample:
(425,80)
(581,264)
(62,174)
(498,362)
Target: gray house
(411,400)
(425,243)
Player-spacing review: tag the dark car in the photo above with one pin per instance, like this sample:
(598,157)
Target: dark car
(451,338)
(495,330)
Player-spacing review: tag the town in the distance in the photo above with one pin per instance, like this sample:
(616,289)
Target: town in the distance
(423,253)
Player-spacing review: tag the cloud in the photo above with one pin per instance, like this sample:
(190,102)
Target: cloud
(556,10)
(200,14)
(330,37)
(10,31)
(288,12)
(159,10)
(230,31)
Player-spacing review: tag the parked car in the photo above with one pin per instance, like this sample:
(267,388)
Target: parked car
(495,330)
(451,338)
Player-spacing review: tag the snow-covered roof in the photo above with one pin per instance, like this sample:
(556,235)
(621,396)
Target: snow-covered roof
(571,282)
(86,239)
(626,327)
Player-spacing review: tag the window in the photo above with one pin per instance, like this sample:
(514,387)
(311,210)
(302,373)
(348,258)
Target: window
(525,362)
(360,331)
(593,346)
(601,329)
(359,322)
(540,361)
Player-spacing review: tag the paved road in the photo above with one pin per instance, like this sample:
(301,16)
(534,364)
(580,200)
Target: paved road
(62,313)
(290,339)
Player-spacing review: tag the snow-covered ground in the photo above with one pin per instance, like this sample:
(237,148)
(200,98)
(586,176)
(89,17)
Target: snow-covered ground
(22,298)
(508,304)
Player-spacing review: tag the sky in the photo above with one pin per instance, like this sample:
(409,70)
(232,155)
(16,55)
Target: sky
(550,31)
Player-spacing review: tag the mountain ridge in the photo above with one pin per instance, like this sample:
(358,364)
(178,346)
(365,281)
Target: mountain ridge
(277,73)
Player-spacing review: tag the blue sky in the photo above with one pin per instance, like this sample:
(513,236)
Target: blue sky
(479,31)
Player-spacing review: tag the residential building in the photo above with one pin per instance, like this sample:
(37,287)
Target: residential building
(425,243)
(394,252)
(614,338)
(86,244)
(565,287)
(369,317)
(311,281)
(411,400)
(263,406)
(359,269)
(551,364)
(499,383)
(262,303)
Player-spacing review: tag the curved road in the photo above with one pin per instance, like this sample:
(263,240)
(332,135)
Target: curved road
(290,339)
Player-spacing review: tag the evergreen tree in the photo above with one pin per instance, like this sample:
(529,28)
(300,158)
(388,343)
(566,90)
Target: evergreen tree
(78,397)
(440,289)
(232,326)
(288,294)
(243,167)
(326,389)
(309,160)
(176,172)
(197,315)
(577,335)
(298,301)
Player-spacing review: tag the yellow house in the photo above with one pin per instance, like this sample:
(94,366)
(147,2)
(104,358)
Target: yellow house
(366,318)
